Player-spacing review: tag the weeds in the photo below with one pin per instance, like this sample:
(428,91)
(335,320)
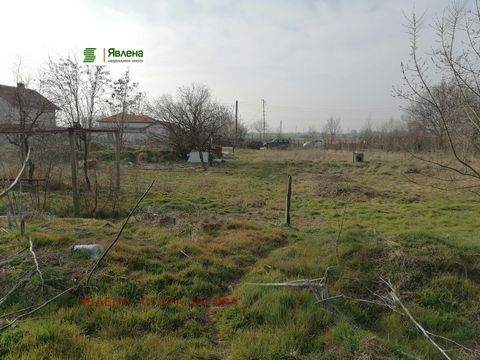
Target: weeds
(227,222)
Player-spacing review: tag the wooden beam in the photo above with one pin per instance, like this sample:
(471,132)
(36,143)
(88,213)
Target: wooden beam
(288,200)
(73,161)
(52,131)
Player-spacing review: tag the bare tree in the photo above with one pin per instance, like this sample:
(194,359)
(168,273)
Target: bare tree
(257,127)
(125,99)
(367,134)
(331,129)
(453,107)
(79,89)
(312,133)
(193,120)
(226,135)
(27,112)
(93,91)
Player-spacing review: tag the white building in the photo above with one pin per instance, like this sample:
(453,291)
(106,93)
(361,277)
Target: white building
(135,128)
(25,108)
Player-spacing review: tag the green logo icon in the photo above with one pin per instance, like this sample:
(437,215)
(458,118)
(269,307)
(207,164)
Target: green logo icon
(89,54)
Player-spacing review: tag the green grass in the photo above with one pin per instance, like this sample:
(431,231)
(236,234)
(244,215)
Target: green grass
(228,222)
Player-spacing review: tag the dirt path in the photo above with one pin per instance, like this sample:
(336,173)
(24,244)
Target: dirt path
(211,311)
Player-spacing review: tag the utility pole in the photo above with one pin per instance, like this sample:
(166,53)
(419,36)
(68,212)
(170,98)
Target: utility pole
(264,124)
(280,128)
(236,126)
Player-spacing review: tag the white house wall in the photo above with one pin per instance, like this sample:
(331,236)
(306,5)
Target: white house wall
(137,132)
(157,130)
(10,115)
(5,117)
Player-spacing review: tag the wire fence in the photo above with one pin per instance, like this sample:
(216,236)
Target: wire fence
(68,172)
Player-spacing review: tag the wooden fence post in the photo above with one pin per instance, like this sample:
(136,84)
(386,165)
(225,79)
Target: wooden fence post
(117,161)
(73,161)
(288,200)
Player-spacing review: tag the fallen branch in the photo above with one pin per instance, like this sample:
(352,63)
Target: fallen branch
(314,285)
(17,285)
(12,258)
(419,327)
(477,353)
(31,309)
(119,233)
(389,301)
(366,301)
(37,307)
(6,315)
(36,261)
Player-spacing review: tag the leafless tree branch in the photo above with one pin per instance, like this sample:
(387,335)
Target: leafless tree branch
(17,179)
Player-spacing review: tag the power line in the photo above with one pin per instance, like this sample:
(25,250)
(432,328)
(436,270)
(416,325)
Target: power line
(326,108)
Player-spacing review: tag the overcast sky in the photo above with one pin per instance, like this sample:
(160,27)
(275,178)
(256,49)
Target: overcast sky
(309,59)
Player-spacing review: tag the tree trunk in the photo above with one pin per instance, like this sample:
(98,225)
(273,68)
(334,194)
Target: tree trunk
(85,161)
(30,165)
(210,159)
(200,152)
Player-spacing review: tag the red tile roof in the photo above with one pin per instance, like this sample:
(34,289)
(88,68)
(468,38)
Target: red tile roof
(128,118)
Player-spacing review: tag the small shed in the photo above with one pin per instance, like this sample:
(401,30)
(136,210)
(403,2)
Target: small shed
(194,157)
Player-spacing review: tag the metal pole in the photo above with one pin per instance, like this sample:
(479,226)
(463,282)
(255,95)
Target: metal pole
(264,123)
(236,126)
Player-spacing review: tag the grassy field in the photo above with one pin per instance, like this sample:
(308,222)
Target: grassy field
(207,234)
